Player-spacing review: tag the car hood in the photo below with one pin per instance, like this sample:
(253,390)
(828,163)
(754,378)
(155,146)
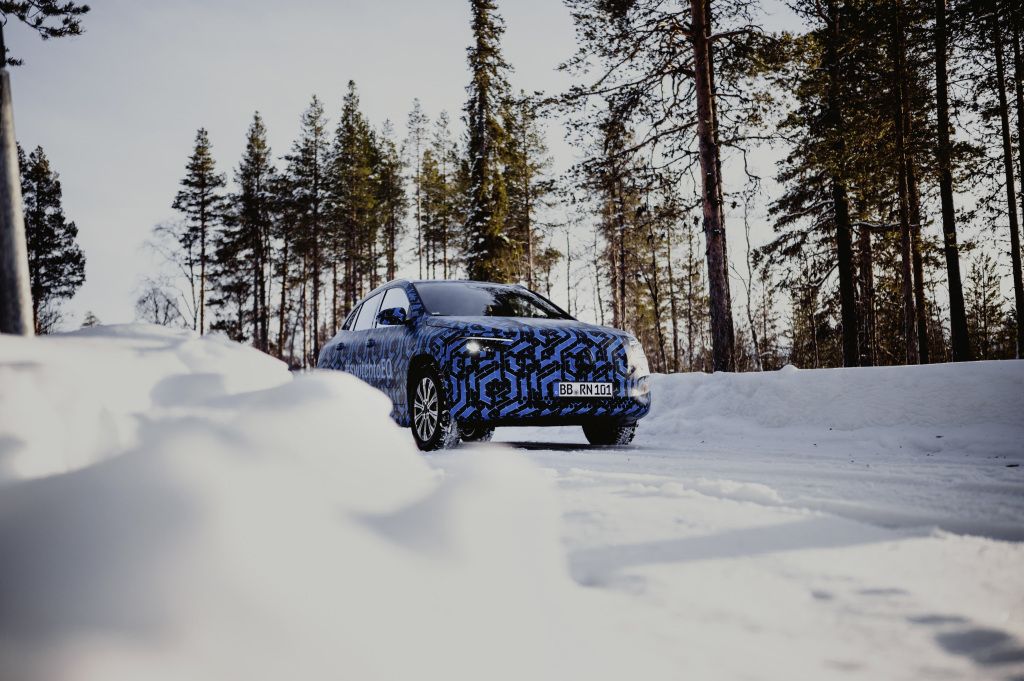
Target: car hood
(512,326)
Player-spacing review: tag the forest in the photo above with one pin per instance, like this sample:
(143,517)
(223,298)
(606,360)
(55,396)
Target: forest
(895,206)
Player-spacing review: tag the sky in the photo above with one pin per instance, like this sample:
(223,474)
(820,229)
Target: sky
(117,108)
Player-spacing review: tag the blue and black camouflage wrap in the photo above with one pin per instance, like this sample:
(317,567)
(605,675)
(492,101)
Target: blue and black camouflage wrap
(512,380)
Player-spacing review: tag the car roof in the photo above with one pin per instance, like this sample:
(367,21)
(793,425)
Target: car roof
(432,281)
(457,281)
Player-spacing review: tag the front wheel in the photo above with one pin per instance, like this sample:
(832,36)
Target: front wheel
(432,425)
(609,433)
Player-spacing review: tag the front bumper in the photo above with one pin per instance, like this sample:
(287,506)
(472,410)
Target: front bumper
(500,403)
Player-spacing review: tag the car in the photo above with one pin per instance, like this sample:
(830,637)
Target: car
(460,358)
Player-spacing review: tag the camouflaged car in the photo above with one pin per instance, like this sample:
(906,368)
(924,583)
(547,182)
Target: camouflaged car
(459,358)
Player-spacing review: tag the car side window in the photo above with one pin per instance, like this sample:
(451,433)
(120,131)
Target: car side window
(395,297)
(347,326)
(368,313)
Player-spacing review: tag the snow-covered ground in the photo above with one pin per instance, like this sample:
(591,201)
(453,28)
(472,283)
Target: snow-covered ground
(177,508)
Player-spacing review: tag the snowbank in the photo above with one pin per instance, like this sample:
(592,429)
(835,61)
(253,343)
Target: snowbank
(913,447)
(969,408)
(909,447)
(177,508)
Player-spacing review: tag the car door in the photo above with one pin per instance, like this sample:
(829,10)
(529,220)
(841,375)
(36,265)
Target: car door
(362,350)
(335,354)
(392,347)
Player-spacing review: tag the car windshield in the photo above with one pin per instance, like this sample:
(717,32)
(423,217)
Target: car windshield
(465,299)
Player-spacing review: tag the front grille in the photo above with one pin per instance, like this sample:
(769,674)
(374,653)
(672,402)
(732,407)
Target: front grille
(521,378)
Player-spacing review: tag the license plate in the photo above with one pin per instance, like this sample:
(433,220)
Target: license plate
(584,389)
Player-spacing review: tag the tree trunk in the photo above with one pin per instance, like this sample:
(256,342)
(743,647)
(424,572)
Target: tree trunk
(673,305)
(304,302)
(419,208)
(620,261)
(392,246)
(15,290)
(202,270)
(619,256)
(920,302)
(689,297)
(263,322)
(315,331)
(282,330)
(568,274)
(961,344)
(1018,79)
(654,288)
(1011,199)
(749,285)
(597,281)
(840,200)
(711,193)
(613,272)
(266,291)
(708,23)
(444,246)
(867,299)
(909,316)
(256,301)
(529,239)
(334,294)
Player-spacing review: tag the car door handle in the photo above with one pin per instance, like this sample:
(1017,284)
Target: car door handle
(370,343)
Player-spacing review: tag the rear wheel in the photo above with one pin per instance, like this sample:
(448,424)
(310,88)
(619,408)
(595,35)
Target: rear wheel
(475,433)
(432,425)
(609,433)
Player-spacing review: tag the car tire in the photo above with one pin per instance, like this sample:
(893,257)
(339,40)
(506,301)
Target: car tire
(430,420)
(475,433)
(609,433)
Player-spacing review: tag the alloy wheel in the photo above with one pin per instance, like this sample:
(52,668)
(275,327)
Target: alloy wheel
(425,409)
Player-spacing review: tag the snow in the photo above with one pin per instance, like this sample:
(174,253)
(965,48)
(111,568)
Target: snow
(174,507)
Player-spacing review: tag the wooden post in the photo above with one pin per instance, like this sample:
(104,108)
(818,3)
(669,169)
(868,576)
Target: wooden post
(15,294)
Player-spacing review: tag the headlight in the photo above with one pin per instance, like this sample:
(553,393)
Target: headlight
(479,345)
(641,388)
(636,358)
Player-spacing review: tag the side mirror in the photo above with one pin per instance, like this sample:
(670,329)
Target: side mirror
(393,316)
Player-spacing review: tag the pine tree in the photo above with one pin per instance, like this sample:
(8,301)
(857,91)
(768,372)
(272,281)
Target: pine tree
(243,244)
(861,153)
(985,307)
(49,18)
(960,339)
(202,205)
(997,20)
(230,280)
(414,147)
(529,187)
(694,299)
(90,320)
(391,200)
(490,255)
(612,175)
(676,72)
(306,189)
(443,192)
(815,213)
(353,187)
(433,208)
(56,263)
